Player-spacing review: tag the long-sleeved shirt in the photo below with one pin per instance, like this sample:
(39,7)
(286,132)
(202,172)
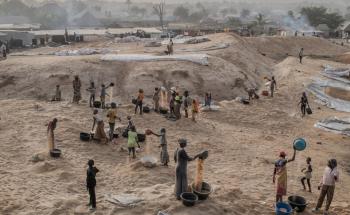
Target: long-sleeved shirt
(330,176)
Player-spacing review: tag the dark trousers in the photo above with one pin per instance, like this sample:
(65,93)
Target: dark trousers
(303,109)
(92,100)
(138,105)
(111,130)
(272,89)
(186,112)
(103,102)
(132,149)
(326,191)
(301,59)
(92,194)
(308,182)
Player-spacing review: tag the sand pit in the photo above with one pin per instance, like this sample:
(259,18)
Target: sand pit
(338,93)
(244,141)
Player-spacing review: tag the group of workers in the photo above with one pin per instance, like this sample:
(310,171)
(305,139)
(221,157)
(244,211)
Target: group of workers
(326,185)
(176,102)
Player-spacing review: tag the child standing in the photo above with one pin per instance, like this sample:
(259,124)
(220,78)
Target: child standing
(103,95)
(308,174)
(164,155)
(139,102)
(132,141)
(91,183)
(92,91)
(130,123)
(112,116)
(195,109)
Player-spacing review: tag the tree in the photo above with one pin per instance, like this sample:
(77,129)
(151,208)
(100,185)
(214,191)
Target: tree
(234,22)
(158,9)
(260,20)
(245,13)
(333,20)
(181,13)
(319,15)
(291,14)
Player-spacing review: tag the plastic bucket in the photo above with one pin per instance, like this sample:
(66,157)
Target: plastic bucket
(283,208)
(298,203)
(299,144)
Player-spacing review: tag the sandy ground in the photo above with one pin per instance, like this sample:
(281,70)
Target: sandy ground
(243,141)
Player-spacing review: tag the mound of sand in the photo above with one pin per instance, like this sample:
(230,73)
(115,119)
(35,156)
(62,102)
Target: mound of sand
(279,48)
(243,140)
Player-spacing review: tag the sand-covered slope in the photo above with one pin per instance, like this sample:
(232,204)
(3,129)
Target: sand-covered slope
(243,140)
(279,48)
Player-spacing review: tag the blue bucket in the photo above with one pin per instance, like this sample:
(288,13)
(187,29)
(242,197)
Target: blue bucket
(283,208)
(299,144)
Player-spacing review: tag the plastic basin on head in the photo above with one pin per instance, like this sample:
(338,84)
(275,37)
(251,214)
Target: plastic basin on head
(283,208)
(299,144)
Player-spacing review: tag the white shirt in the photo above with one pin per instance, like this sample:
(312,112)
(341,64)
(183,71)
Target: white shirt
(328,176)
(98,117)
(2,47)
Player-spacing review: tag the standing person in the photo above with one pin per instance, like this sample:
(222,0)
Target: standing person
(112,116)
(281,172)
(195,109)
(308,174)
(130,123)
(57,96)
(181,158)
(91,183)
(252,93)
(156,99)
(139,101)
(327,185)
(187,102)
(301,55)
(76,89)
(171,46)
(103,95)
(100,133)
(172,103)
(164,155)
(177,106)
(3,50)
(50,134)
(132,141)
(303,104)
(273,85)
(92,91)
(207,99)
